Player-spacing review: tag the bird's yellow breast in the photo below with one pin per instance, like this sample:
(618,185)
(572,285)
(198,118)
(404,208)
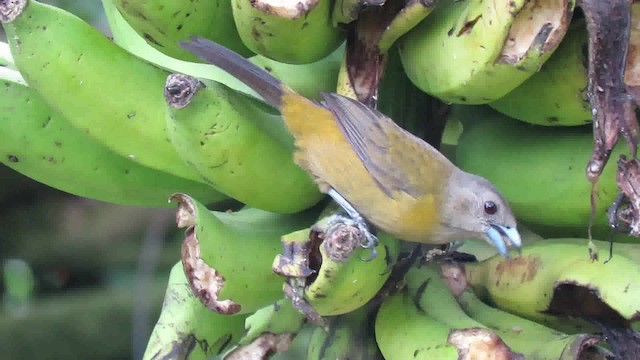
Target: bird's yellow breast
(323,150)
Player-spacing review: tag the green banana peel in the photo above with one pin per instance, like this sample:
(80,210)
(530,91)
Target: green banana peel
(555,281)
(97,86)
(538,169)
(40,143)
(325,273)
(534,340)
(308,80)
(227,256)
(349,336)
(215,130)
(405,331)
(187,329)
(281,317)
(269,330)
(474,51)
(289,32)
(555,95)
(164,23)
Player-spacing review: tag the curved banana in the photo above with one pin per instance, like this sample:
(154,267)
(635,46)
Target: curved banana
(474,51)
(164,23)
(555,95)
(39,143)
(225,136)
(556,283)
(308,79)
(100,88)
(227,256)
(534,340)
(539,170)
(299,32)
(349,336)
(325,270)
(188,330)
(406,331)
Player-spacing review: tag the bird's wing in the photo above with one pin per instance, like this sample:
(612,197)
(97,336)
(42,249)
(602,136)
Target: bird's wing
(394,158)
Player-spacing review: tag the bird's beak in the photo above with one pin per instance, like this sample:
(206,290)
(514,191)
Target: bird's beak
(502,237)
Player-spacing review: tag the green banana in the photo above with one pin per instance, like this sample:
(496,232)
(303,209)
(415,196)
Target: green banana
(234,152)
(39,143)
(534,340)
(269,330)
(227,256)
(290,32)
(309,79)
(474,51)
(404,330)
(164,23)
(539,170)
(97,86)
(349,336)
(555,95)
(188,330)
(341,282)
(556,283)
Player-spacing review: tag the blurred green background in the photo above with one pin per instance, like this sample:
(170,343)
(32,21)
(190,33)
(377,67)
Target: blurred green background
(80,279)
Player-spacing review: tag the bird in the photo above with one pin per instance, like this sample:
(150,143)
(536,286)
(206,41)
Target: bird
(383,176)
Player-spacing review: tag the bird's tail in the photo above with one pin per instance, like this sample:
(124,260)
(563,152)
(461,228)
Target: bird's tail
(255,77)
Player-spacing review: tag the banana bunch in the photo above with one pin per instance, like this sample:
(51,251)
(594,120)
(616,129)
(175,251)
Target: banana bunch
(137,120)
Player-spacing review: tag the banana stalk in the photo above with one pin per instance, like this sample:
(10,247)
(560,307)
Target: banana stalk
(227,256)
(40,143)
(188,330)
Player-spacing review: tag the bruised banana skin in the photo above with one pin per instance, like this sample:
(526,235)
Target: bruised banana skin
(345,286)
(164,23)
(349,336)
(525,285)
(224,135)
(228,256)
(534,340)
(474,51)
(39,143)
(555,95)
(292,33)
(97,86)
(548,162)
(405,332)
(309,79)
(188,330)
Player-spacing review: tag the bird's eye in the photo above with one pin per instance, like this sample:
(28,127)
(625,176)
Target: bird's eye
(490,207)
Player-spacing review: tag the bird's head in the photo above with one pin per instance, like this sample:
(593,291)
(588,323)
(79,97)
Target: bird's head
(475,208)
